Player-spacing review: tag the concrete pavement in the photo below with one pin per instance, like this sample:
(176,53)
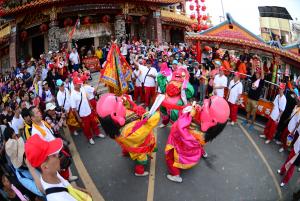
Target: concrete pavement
(233,171)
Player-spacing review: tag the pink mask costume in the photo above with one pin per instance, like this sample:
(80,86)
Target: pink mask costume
(125,122)
(194,128)
(177,92)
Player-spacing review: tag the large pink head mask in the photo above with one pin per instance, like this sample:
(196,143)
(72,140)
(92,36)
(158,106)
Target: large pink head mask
(181,74)
(215,110)
(112,113)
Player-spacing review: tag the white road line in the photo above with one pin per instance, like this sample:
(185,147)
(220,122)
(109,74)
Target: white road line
(151,183)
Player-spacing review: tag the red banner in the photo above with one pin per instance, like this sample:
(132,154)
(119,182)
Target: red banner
(91,63)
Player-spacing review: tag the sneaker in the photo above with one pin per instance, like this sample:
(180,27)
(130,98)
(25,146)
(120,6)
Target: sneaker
(251,127)
(75,133)
(73,178)
(278,142)
(279,171)
(176,178)
(141,175)
(232,123)
(245,122)
(162,126)
(101,135)
(205,155)
(282,184)
(262,136)
(267,141)
(281,150)
(91,141)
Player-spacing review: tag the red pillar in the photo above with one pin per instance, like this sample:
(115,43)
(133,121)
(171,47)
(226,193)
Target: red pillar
(198,49)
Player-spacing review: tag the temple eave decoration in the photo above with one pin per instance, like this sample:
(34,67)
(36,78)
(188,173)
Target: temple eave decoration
(171,17)
(37,4)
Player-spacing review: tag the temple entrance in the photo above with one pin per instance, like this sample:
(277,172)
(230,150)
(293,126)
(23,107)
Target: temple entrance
(84,45)
(37,46)
(177,36)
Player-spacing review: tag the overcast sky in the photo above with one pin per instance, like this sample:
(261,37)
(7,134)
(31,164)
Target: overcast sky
(245,12)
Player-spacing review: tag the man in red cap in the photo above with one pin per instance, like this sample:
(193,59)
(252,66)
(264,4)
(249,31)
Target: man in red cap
(81,106)
(235,91)
(278,108)
(255,91)
(220,82)
(44,155)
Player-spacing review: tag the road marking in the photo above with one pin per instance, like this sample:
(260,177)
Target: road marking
(151,183)
(263,159)
(84,175)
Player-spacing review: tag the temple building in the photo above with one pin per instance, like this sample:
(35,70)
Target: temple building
(32,27)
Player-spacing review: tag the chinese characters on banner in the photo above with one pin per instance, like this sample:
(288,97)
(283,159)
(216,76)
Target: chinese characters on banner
(264,108)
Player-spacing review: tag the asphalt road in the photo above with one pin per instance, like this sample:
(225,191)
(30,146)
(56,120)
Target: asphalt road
(233,171)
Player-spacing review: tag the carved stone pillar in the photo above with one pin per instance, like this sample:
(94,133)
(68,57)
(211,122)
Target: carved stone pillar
(157,26)
(120,28)
(13,46)
(53,32)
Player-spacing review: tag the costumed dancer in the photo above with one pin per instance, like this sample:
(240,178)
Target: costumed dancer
(80,105)
(116,71)
(131,128)
(178,92)
(194,128)
(163,78)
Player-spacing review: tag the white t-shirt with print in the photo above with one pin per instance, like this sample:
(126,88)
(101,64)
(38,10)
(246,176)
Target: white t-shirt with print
(149,81)
(295,117)
(220,81)
(236,88)
(85,109)
(60,196)
(137,74)
(279,104)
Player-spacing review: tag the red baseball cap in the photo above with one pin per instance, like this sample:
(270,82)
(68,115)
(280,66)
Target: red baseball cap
(37,150)
(222,68)
(77,80)
(282,85)
(237,74)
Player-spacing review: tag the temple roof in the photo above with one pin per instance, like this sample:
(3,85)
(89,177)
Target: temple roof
(230,32)
(171,17)
(34,4)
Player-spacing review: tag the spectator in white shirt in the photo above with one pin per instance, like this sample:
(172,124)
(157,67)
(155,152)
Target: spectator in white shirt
(47,95)
(220,82)
(17,122)
(235,91)
(137,79)
(74,58)
(278,108)
(148,79)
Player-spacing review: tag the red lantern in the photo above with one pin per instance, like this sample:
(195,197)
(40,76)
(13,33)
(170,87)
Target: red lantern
(197,8)
(24,35)
(192,16)
(203,8)
(191,7)
(204,17)
(129,19)
(143,20)
(202,1)
(106,18)
(44,28)
(68,22)
(194,26)
(205,27)
(199,17)
(87,20)
(199,27)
